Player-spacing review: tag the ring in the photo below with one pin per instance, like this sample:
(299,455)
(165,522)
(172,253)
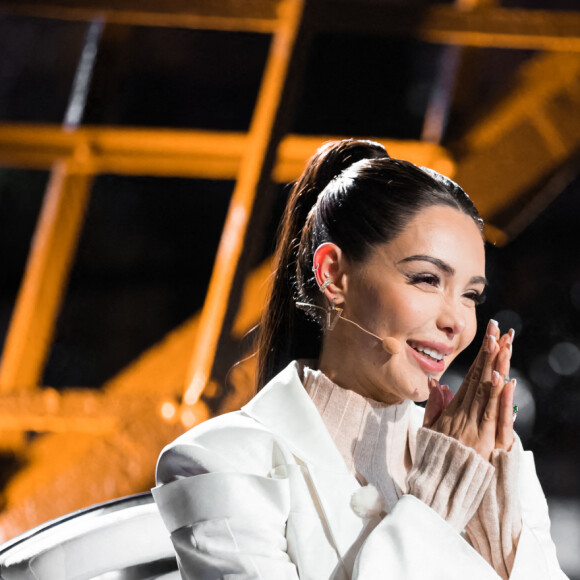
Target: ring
(515,410)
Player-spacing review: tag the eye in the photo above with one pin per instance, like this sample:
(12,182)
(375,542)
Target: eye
(477,297)
(424,278)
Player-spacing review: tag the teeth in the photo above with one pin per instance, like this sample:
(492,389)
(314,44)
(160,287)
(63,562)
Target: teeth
(432,353)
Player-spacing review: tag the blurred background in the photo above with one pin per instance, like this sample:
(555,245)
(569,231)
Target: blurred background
(145,152)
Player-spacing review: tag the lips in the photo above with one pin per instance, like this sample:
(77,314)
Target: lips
(429,355)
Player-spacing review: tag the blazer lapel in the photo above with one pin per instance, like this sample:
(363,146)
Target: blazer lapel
(286,409)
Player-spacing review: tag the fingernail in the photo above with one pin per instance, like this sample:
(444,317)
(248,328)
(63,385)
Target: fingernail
(492,326)
(515,382)
(495,378)
(512,333)
(445,387)
(491,342)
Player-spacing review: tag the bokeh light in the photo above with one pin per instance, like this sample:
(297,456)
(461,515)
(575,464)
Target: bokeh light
(168,410)
(509,319)
(564,358)
(188,418)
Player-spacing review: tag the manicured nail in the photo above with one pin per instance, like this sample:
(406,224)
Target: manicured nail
(515,382)
(511,333)
(495,378)
(445,387)
(494,322)
(491,342)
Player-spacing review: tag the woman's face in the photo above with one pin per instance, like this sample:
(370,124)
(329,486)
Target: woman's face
(422,289)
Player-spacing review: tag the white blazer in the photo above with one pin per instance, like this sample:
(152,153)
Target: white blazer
(263,493)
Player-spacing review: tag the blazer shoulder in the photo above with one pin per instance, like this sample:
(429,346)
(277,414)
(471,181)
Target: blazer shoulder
(233,442)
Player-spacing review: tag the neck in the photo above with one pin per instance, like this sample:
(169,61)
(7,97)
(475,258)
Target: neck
(345,367)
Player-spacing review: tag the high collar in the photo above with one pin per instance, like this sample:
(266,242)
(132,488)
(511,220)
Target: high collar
(285,408)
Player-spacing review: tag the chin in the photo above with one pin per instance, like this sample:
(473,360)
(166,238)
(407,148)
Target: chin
(419,395)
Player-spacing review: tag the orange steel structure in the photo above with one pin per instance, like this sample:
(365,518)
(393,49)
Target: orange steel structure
(103,444)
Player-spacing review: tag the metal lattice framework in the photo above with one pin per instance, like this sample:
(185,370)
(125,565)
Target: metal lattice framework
(103,444)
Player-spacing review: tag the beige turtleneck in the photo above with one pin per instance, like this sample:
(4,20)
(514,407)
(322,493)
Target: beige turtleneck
(369,435)
(380,447)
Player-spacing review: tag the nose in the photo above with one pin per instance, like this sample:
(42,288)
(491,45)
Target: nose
(451,318)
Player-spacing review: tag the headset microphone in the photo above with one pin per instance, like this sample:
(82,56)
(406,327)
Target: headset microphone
(390,344)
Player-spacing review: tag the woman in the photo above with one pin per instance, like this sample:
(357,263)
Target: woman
(332,471)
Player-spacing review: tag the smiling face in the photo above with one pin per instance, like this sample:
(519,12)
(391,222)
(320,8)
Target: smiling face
(422,289)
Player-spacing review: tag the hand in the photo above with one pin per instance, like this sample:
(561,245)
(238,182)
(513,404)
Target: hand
(480,415)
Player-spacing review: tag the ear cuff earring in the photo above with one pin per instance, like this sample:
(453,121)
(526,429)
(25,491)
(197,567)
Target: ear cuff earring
(324,285)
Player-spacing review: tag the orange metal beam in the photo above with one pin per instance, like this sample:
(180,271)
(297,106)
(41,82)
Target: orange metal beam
(65,472)
(227,15)
(443,24)
(76,410)
(182,153)
(531,133)
(488,27)
(242,203)
(39,298)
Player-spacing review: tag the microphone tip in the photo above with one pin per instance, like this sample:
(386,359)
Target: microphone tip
(391,345)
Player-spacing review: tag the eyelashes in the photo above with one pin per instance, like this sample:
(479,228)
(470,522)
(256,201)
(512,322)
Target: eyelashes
(433,280)
(477,297)
(430,279)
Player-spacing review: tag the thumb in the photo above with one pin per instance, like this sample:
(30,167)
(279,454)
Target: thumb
(447,395)
(435,403)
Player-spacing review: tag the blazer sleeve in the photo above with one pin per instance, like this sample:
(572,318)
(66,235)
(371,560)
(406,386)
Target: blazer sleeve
(223,523)
(536,552)
(414,542)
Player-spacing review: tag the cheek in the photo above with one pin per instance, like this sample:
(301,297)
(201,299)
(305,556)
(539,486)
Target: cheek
(470,330)
(412,312)
(371,306)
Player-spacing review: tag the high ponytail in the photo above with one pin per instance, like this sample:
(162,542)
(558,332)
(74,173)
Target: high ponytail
(287,333)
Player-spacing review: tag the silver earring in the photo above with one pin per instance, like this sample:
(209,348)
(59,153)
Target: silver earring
(325,285)
(332,315)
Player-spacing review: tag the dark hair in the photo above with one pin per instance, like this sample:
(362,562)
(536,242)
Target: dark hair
(356,196)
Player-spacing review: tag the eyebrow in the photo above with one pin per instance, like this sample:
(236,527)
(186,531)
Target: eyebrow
(441,265)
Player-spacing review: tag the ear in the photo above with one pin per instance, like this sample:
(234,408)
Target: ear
(329,265)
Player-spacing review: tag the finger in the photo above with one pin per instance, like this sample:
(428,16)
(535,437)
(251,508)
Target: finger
(447,395)
(502,362)
(472,376)
(492,329)
(505,425)
(476,399)
(434,406)
(488,423)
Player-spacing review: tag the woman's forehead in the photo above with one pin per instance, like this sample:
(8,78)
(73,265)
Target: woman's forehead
(444,233)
